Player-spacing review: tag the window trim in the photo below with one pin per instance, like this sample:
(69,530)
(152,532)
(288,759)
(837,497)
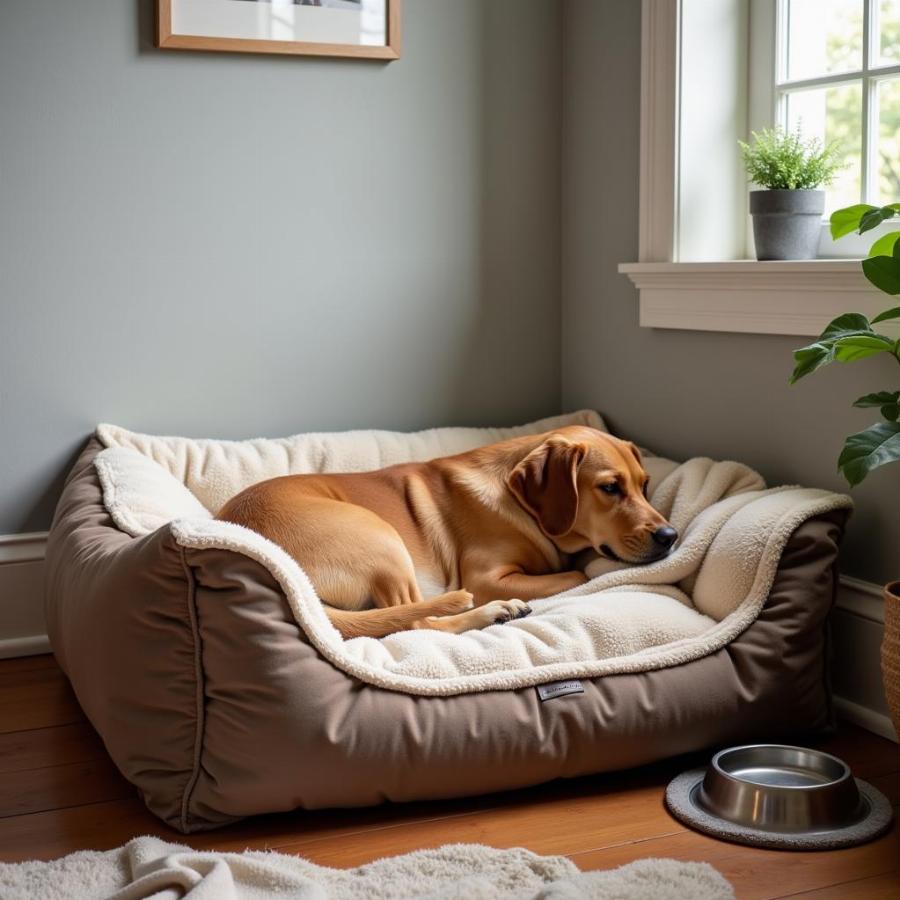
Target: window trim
(660,24)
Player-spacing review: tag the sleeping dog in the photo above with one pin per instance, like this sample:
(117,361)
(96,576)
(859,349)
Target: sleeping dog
(484,531)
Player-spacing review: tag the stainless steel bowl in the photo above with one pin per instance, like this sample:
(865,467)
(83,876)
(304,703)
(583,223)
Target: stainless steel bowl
(775,787)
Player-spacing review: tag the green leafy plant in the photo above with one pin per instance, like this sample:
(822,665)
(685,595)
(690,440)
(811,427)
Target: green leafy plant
(784,160)
(851,337)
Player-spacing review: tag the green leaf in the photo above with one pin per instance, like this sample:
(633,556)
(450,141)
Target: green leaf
(887,314)
(859,346)
(867,450)
(846,220)
(883,272)
(808,359)
(886,245)
(847,324)
(846,338)
(887,401)
(877,399)
(871,220)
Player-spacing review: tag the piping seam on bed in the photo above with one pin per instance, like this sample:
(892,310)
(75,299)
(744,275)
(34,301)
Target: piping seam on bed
(200,718)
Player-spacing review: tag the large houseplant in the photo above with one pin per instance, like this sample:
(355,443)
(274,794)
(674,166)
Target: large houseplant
(787,210)
(850,338)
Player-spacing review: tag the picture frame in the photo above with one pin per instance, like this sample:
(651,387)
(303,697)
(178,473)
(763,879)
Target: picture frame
(355,29)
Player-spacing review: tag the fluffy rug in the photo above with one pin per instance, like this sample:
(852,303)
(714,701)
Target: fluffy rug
(625,619)
(147,867)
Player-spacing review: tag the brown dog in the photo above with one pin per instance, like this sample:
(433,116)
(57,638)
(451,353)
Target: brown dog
(495,527)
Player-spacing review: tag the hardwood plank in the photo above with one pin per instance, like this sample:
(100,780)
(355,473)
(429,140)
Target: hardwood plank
(95,826)
(889,785)
(9,667)
(36,698)
(56,746)
(553,826)
(879,887)
(58,787)
(758,874)
(867,754)
(102,826)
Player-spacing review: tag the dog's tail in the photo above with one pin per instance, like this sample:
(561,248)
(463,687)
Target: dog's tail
(386,620)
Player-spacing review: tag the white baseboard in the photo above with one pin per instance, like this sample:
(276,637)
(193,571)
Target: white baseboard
(22,625)
(862,598)
(26,547)
(873,721)
(34,645)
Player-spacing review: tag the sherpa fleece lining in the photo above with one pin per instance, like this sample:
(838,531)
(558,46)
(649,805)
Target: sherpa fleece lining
(625,619)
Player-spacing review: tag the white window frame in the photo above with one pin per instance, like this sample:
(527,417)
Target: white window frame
(769,83)
(793,298)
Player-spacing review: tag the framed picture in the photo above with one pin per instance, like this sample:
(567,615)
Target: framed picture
(353,28)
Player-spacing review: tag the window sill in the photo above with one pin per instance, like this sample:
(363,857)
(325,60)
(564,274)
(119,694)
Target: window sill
(794,298)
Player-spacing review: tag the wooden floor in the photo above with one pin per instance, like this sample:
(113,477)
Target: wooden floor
(59,792)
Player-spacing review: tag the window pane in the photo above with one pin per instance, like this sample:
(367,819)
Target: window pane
(888,37)
(887,184)
(833,114)
(824,37)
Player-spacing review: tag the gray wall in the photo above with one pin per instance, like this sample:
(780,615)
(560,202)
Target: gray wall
(225,245)
(686,393)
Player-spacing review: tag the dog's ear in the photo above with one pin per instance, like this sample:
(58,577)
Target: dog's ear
(545,483)
(636,451)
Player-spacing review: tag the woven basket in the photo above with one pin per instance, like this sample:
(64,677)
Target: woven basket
(890,651)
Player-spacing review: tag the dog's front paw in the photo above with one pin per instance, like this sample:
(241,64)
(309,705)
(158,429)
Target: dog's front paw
(501,611)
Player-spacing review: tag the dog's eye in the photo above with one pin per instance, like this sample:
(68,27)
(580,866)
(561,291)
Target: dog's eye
(646,485)
(612,488)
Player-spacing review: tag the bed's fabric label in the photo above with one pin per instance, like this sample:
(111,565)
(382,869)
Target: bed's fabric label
(559,689)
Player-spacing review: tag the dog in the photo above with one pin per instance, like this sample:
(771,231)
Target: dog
(480,533)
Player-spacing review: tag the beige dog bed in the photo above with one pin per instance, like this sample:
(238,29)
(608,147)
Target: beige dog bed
(203,656)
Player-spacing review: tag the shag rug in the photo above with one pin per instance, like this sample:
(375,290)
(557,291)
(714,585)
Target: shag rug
(147,867)
(625,619)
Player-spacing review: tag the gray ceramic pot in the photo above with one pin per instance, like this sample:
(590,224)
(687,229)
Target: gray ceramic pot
(786,224)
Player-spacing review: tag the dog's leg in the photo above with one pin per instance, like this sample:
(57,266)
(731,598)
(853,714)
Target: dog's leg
(494,613)
(387,620)
(515,587)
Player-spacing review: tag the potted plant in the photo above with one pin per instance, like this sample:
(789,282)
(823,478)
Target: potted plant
(787,211)
(850,338)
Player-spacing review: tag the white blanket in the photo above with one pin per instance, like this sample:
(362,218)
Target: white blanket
(147,867)
(625,619)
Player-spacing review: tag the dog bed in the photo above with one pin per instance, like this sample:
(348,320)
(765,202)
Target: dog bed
(202,655)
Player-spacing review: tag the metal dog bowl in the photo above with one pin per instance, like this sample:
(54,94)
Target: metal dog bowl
(779,788)
(776,795)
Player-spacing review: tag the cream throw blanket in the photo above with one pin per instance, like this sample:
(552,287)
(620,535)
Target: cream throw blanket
(625,619)
(147,868)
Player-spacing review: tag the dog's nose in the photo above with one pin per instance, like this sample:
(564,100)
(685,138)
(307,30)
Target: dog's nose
(665,536)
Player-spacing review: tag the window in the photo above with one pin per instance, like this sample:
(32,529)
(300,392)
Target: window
(834,71)
(708,75)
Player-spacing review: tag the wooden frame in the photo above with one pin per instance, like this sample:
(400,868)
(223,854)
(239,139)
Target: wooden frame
(167,40)
(658,189)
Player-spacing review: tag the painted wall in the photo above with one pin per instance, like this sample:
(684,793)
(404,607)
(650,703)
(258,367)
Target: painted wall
(686,393)
(228,245)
